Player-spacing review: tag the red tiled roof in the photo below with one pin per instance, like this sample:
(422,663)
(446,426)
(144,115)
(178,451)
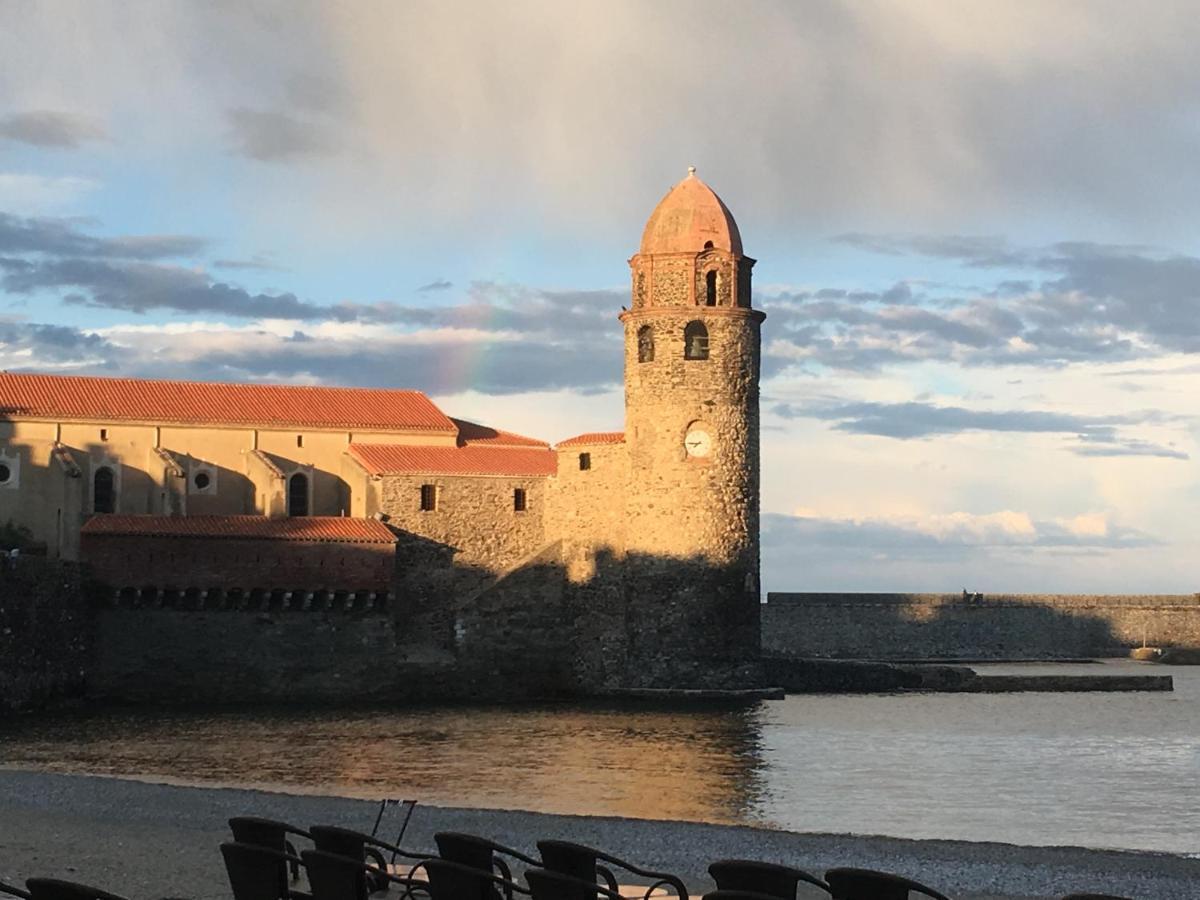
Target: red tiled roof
(593,437)
(398,459)
(325,529)
(474,433)
(90,398)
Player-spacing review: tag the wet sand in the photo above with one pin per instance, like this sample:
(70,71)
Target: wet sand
(149,840)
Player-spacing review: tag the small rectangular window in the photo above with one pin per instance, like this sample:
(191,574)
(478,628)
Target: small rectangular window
(104,434)
(428,497)
(519,500)
(585,461)
(299,440)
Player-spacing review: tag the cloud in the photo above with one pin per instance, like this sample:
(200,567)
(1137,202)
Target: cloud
(49,128)
(277,137)
(41,346)
(949,535)
(255,264)
(39,194)
(1097,436)
(65,238)
(440,285)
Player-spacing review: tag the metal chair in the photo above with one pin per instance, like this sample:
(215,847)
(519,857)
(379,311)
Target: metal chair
(57,889)
(333,877)
(1094,897)
(756,877)
(274,836)
(14,891)
(547,885)
(454,881)
(584,863)
(731,894)
(254,872)
(480,853)
(867,884)
(362,846)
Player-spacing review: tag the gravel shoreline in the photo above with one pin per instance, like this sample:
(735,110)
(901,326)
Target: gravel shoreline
(150,840)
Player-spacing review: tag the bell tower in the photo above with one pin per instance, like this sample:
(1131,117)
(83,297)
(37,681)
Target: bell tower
(691,429)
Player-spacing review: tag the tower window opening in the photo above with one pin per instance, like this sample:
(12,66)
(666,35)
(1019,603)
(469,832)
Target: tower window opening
(710,288)
(695,341)
(428,497)
(645,344)
(585,461)
(708,245)
(5,473)
(298,495)
(104,434)
(519,500)
(104,492)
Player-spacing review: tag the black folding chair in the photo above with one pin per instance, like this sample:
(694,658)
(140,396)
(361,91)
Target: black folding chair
(254,872)
(584,863)
(14,891)
(867,884)
(756,877)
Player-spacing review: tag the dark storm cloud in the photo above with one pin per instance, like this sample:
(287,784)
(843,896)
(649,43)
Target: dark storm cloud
(48,128)
(277,137)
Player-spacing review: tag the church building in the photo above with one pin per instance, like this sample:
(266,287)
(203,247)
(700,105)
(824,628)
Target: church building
(175,487)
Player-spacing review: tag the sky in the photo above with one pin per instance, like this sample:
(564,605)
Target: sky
(975,224)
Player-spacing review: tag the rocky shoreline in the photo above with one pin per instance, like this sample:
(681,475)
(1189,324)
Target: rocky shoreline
(151,840)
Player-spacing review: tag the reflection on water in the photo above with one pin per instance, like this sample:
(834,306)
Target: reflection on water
(1100,770)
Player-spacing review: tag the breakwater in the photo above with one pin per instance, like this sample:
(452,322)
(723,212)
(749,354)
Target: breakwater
(951,626)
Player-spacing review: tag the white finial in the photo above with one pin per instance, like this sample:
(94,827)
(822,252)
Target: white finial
(691,170)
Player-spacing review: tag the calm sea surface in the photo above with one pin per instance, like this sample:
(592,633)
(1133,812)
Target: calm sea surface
(1097,770)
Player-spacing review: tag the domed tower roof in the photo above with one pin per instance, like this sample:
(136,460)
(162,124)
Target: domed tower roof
(690,219)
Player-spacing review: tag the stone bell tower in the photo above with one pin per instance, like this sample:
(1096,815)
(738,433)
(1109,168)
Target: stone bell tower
(691,431)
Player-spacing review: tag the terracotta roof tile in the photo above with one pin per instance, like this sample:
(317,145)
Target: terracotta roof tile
(592,438)
(470,433)
(398,459)
(336,529)
(90,398)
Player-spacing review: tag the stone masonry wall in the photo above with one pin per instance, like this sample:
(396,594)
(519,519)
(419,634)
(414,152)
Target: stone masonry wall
(136,561)
(588,506)
(45,634)
(933,626)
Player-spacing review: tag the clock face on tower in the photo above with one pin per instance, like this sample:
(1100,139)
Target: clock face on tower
(697,443)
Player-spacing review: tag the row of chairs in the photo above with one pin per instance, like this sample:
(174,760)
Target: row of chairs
(350,865)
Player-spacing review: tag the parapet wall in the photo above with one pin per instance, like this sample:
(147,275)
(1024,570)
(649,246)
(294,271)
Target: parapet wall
(1001,626)
(45,633)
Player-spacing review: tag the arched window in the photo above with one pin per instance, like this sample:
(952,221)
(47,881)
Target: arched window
(104,491)
(645,344)
(710,288)
(298,495)
(695,341)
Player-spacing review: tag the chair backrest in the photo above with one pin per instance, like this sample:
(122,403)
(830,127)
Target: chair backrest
(761,877)
(262,832)
(338,841)
(1094,897)
(333,877)
(729,894)
(254,871)
(545,884)
(465,849)
(867,884)
(566,858)
(453,881)
(57,889)
(14,891)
